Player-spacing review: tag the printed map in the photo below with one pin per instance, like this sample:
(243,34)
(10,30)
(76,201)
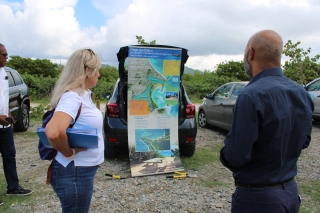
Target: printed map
(152,87)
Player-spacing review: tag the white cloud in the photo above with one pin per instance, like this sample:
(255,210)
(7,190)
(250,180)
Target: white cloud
(204,62)
(213,31)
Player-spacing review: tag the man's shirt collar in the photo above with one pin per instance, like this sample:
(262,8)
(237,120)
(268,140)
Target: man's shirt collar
(266,73)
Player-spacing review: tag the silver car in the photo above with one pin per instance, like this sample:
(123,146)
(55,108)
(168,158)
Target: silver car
(216,109)
(313,89)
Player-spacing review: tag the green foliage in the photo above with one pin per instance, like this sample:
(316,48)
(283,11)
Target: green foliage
(35,67)
(107,80)
(109,73)
(39,86)
(233,69)
(198,85)
(300,68)
(103,86)
(41,76)
(140,40)
(38,111)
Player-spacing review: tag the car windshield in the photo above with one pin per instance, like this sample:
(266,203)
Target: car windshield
(223,92)
(237,90)
(314,86)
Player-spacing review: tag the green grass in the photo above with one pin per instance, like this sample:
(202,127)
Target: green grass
(201,158)
(40,101)
(9,202)
(27,134)
(310,194)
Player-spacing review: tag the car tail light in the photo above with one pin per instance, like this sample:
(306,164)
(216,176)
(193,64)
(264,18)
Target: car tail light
(113,140)
(190,140)
(112,110)
(190,111)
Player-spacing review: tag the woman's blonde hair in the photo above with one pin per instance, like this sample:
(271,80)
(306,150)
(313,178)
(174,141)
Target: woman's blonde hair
(74,74)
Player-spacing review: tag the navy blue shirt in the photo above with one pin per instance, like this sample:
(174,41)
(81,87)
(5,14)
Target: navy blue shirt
(272,123)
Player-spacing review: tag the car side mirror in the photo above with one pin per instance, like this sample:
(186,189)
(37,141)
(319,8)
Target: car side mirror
(209,96)
(107,95)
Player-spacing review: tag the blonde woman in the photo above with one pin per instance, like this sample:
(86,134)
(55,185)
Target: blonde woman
(74,169)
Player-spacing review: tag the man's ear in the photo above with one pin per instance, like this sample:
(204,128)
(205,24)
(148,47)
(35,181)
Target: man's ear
(251,54)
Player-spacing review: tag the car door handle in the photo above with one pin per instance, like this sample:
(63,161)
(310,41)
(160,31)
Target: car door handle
(221,104)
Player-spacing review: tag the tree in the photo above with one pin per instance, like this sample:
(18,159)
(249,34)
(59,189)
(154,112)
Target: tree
(37,67)
(300,68)
(142,41)
(107,80)
(232,69)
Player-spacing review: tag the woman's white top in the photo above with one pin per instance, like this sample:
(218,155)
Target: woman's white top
(90,117)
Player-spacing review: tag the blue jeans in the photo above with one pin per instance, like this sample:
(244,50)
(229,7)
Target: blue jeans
(73,185)
(8,152)
(278,199)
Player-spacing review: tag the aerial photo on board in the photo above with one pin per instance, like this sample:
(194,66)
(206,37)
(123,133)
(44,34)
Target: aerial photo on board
(152,139)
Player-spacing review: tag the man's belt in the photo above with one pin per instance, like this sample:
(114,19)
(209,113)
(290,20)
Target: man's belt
(259,186)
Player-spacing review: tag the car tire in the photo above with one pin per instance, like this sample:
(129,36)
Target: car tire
(109,151)
(202,119)
(22,124)
(188,151)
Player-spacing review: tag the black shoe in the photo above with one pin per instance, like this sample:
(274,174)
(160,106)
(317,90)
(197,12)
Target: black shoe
(1,202)
(19,191)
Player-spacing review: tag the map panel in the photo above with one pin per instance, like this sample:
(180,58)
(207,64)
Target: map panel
(153,97)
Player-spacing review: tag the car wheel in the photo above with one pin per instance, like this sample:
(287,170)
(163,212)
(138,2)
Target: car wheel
(202,119)
(109,151)
(316,119)
(188,151)
(23,120)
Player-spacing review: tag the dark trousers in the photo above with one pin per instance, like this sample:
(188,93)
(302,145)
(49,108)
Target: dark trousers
(8,153)
(278,199)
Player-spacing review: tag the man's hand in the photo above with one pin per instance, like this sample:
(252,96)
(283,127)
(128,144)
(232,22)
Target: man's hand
(5,122)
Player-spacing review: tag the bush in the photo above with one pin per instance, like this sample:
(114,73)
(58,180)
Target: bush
(38,111)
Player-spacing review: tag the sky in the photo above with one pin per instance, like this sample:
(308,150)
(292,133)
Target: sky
(213,31)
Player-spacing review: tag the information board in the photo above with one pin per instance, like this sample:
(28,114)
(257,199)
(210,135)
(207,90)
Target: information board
(153,110)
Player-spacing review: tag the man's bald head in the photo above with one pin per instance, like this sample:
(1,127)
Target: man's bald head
(267,44)
(264,50)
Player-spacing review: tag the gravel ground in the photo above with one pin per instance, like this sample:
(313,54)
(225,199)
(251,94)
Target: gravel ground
(150,193)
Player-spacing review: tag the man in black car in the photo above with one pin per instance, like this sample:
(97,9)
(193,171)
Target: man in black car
(272,123)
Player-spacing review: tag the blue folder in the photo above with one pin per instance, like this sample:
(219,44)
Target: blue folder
(77,138)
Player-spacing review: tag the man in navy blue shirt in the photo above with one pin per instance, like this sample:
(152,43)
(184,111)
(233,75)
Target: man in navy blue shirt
(272,123)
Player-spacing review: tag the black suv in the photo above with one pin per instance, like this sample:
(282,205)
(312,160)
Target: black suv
(115,121)
(19,103)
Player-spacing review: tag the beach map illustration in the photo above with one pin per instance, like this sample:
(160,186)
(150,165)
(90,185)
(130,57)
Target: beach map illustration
(153,104)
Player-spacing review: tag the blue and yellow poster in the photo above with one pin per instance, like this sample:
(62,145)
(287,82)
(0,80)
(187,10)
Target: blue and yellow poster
(153,107)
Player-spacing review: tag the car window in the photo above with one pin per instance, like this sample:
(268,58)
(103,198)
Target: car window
(10,79)
(314,86)
(17,78)
(223,92)
(237,90)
